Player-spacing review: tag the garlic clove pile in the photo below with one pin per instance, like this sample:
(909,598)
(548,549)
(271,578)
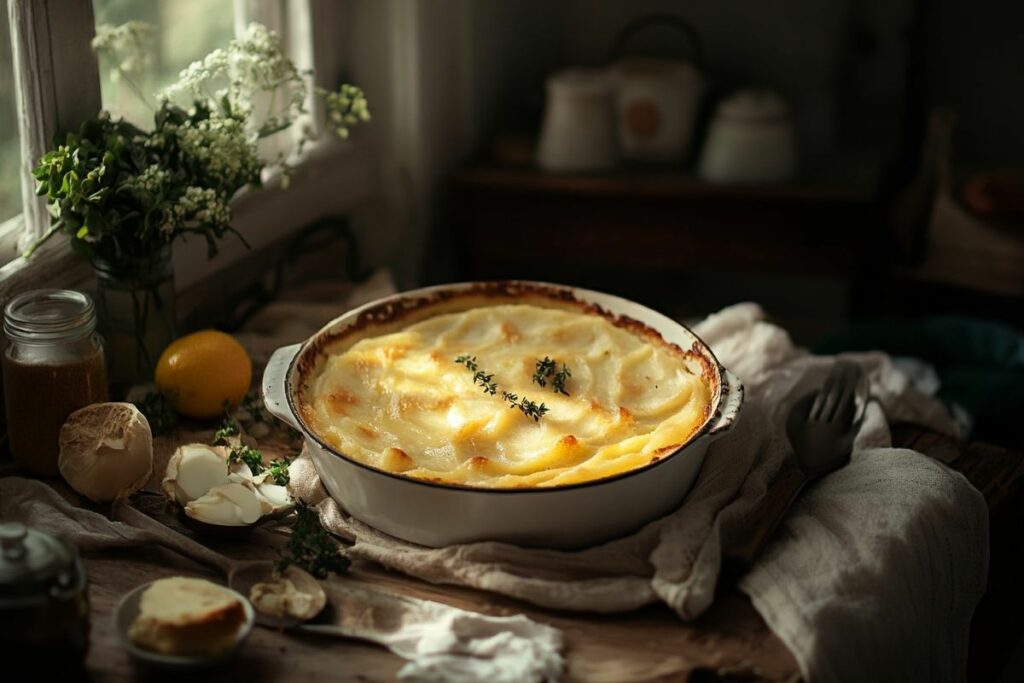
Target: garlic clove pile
(106,451)
(231,504)
(193,470)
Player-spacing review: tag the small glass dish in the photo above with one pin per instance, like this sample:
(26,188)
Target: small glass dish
(128,608)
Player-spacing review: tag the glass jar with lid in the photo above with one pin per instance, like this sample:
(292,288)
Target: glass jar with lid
(52,366)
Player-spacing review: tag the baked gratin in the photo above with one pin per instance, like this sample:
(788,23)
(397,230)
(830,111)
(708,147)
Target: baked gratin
(457,397)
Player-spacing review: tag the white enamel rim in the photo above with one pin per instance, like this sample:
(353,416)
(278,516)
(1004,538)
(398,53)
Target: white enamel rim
(724,413)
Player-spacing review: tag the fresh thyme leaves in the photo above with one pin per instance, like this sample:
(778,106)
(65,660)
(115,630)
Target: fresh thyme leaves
(278,471)
(485,381)
(310,547)
(548,369)
(545,368)
(528,407)
(228,428)
(250,456)
(558,381)
(531,409)
(157,409)
(254,407)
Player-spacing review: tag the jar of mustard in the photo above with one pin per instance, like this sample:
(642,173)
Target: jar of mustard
(52,366)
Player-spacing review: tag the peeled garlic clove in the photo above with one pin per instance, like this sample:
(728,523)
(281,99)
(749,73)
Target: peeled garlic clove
(193,470)
(106,451)
(226,505)
(295,594)
(274,497)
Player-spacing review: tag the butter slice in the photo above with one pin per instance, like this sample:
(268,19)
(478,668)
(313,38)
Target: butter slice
(184,616)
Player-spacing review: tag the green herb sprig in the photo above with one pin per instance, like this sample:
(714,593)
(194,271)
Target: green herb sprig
(228,429)
(547,369)
(250,456)
(278,471)
(157,409)
(311,547)
(486,380)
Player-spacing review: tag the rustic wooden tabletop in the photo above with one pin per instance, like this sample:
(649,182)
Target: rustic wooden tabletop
(729,642)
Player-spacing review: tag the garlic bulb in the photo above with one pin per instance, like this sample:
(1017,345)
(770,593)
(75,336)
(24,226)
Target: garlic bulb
(196,468)
(106,451)
(231,504)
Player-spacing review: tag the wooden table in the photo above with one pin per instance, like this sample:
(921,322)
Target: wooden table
(730,642)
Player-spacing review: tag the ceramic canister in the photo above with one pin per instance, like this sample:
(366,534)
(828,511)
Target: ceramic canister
(578,133)
(750,140)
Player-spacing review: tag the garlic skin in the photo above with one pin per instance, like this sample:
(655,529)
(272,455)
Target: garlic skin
(106,451)
(196,468)
(230,504)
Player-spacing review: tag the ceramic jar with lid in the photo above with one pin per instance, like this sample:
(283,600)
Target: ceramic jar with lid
(44,605)
(52,366)
(750,140)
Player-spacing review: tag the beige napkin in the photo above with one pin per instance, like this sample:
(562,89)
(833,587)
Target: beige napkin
(887,556)
(439,642)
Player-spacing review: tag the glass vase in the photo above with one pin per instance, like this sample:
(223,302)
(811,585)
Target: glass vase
(136,310)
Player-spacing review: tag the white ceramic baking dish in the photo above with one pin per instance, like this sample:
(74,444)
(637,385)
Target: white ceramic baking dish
(438,514)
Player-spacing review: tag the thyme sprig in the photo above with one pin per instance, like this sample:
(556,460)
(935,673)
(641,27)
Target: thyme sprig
(490,387)
(559,380)
(278,471)
(157,409)
(528,407)
(310,546)
(249,455)
(228,428)
(547,369)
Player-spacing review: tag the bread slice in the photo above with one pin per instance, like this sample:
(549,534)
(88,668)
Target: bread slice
(183,616)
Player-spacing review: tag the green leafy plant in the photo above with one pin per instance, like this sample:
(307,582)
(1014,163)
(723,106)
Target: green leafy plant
(311,547)
(249,455)
(121,193)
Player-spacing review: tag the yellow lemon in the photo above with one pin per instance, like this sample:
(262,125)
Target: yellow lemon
(199,371)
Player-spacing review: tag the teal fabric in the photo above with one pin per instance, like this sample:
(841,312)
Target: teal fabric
(980,364)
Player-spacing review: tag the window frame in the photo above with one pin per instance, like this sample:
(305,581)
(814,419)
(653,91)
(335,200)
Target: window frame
(58,86)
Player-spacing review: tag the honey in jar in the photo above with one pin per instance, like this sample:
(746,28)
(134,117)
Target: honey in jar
(52,366)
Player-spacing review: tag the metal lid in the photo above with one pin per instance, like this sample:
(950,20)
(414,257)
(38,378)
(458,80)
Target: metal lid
(32,561)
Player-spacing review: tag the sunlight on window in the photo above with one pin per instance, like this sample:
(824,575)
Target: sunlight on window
(10,152)
(187,30)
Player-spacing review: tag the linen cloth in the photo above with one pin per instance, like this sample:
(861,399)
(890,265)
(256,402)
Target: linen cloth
(439,642)
(873,575)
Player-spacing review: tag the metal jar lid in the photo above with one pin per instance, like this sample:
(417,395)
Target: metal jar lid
(35,565)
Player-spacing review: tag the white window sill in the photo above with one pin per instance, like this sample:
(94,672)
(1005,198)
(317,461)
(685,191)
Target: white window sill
(331,179)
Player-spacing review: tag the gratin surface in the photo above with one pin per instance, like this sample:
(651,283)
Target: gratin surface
(399,402)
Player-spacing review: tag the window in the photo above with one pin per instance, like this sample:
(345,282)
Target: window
(187,30)
(10,151)
(59,84)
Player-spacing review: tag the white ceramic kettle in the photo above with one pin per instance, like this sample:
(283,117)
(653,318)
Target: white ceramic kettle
(657,99)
